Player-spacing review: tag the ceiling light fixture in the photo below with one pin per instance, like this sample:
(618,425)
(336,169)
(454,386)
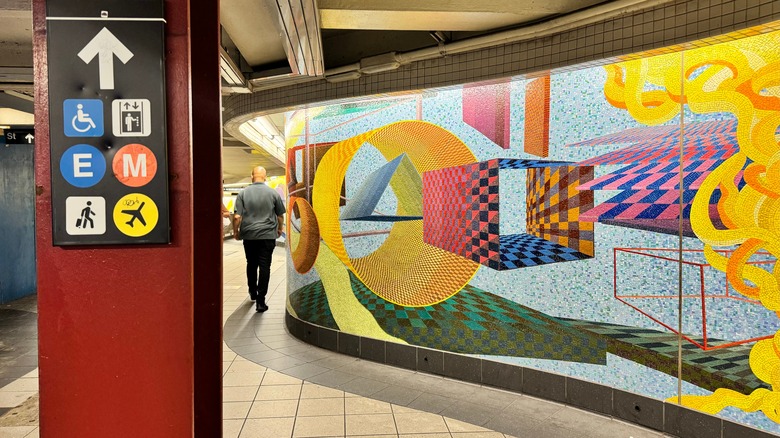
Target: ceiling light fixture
(265,134)
(439,37)
(379,63)
(231,74)
(343,77)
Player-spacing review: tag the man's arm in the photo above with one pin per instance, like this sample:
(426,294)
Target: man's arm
(236,226)
(237,212)
(279,210)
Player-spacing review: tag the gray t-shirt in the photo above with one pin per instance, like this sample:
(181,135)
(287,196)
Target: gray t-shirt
(259,205)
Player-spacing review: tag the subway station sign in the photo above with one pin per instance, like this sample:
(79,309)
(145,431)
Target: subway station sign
(109,167)
(15,135)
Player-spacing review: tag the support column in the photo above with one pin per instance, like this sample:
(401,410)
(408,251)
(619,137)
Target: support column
(117,337)
(207,217)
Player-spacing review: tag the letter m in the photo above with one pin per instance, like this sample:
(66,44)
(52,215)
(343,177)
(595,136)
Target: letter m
(129,167)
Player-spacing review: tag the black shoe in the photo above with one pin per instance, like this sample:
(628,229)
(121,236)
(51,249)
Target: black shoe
(261,308)
(252,297)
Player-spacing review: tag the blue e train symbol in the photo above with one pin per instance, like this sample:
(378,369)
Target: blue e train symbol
(82,165)
(83,117)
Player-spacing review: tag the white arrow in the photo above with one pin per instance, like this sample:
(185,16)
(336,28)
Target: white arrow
(105,45)
(29,138)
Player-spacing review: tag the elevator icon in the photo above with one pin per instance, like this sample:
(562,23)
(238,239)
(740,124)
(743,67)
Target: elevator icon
(131,117)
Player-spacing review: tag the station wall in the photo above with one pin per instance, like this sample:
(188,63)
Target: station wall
(17,222)
(545,222)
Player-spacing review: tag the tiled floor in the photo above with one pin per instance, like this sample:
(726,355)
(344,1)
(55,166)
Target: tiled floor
(276,386)
(400,403)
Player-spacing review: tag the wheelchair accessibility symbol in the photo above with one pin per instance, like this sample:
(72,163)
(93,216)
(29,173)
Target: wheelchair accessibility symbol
(83,117)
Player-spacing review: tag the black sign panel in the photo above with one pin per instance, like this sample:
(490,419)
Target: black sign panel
(109,167)
(19,136)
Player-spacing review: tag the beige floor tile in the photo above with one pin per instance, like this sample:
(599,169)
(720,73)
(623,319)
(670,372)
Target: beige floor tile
(36,433)
(238,393)
(225,366)
(273,408)
(362,405)
(332,425)
(33,373)
(228,355)
(425,435)
(420,422)
(235,410)
(376,424)
(279,392)
(311,390)
(22,385)
(315,407)
(267,428)
(459,426)
(16,431)
(376,436)
(485,434)
(403,410)
(231,428)
(13,399)
(242,365)
(274,378)
(242,379)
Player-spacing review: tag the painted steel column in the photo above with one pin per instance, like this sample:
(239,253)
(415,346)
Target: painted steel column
(116,337)
(207,215)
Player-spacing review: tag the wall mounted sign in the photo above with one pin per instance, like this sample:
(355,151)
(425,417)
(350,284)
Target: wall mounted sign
(107,122)
(19,135)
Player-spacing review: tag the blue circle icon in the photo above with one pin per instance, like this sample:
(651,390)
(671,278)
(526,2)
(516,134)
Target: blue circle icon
(83,165)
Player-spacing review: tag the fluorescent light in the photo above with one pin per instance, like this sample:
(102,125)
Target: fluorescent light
(19,95)
(263,133)
(343,77)
(230,71)
(379,63)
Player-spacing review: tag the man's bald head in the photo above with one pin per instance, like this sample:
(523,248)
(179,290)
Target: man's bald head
(258,174)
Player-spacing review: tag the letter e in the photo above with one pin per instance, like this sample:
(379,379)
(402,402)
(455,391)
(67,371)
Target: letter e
(79,163)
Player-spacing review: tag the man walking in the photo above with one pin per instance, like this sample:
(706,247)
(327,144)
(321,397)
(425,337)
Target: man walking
(259,220)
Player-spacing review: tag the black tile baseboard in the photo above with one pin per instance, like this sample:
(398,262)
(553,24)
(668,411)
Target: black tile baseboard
(544,385)
(635,408)
(644,411)
(401,355)
(588,395)
(681,421)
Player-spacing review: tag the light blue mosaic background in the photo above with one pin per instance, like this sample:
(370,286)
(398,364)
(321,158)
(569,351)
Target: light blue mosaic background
(583,289)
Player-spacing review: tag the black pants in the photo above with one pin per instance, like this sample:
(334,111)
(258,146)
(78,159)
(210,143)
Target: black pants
(258,257)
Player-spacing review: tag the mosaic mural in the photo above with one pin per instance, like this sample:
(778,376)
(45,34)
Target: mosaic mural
(537,222)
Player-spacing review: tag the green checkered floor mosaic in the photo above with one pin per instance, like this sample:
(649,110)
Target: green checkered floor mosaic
(472,322)
(477,322)
(721,368)
(311,304)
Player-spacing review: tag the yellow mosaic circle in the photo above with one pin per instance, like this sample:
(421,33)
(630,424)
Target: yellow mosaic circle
(135,215)
(403,270)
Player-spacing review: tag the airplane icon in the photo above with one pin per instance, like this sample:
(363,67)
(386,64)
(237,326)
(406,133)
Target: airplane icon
(136,214)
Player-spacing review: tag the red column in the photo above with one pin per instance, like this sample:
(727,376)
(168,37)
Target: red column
(116,324)
(207,217)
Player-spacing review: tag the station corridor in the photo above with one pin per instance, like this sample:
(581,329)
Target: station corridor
(276,386)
